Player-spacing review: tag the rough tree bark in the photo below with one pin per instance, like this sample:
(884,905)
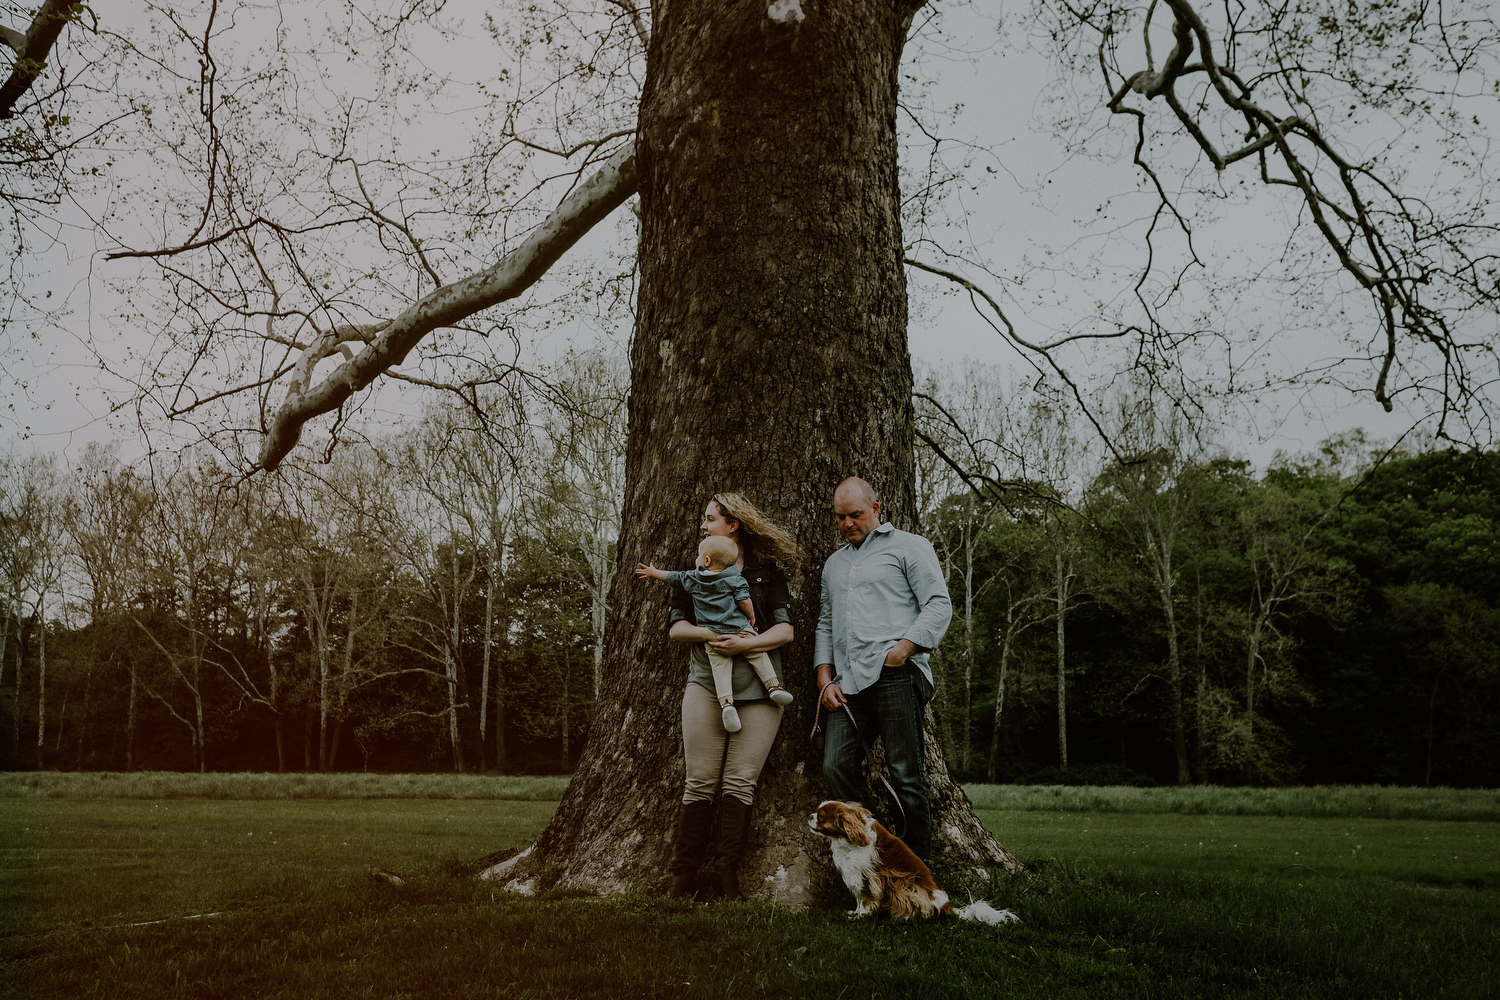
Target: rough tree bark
(769,357)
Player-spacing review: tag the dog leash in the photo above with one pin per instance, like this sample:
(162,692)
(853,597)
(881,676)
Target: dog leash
(869,755)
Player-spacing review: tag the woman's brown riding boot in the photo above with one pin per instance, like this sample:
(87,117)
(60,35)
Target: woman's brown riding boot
(689,844)
(734,832)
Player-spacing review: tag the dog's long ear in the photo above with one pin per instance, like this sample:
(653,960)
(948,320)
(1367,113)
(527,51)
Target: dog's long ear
(853,821)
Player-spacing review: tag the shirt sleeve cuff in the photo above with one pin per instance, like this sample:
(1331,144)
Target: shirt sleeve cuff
(924,641)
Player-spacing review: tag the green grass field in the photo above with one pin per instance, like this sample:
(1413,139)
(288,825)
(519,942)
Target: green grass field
(120,894)
(1421,852)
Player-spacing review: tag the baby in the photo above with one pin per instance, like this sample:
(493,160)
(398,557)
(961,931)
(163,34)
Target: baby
(721,603)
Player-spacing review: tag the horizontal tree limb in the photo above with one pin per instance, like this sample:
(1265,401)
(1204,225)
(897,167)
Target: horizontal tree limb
(586,206)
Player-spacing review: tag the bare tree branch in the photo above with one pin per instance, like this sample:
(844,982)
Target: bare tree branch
(1044,350)
(576,215)
(1390,244)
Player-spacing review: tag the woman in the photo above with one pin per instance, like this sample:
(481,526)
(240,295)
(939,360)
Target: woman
(767,555)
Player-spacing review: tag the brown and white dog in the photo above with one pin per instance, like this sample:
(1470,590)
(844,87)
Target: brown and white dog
(882,871)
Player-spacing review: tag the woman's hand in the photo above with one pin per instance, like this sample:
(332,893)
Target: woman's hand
(731,645)
(772,638)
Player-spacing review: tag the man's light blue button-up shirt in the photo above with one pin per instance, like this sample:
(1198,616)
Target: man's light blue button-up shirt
(888,588)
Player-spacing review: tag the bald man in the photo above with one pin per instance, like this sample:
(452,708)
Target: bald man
(885,606)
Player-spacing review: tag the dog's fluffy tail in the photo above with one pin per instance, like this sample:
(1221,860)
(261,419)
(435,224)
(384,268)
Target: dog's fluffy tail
(983,913)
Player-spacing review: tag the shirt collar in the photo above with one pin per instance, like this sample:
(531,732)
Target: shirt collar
(879,529)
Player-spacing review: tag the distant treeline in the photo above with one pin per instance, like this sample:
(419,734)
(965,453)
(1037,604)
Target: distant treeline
(1134,614)
(431,600)
(435,600)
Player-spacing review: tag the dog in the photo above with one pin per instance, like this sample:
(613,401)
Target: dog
(883,873)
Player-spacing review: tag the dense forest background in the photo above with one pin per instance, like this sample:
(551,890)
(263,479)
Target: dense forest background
(1132,603)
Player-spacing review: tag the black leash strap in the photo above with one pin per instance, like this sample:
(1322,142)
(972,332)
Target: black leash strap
(870,756)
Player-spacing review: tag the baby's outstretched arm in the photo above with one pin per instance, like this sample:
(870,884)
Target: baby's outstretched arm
(749,610)
(643,570)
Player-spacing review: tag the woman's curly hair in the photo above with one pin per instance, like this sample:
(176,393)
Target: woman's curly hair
(758,533)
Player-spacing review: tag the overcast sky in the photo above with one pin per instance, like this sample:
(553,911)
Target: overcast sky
(1059,229)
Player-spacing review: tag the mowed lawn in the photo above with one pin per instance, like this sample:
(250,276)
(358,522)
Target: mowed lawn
(201,897)
(111,861)
(1419,852)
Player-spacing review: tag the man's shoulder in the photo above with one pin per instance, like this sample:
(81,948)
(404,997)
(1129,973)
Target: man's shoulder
(896,535)
(890,535)
(907,546)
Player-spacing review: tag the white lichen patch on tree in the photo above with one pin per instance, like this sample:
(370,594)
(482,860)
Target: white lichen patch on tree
(786,12)
(791,887)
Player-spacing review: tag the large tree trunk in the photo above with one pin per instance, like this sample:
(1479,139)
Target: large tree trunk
(770,357)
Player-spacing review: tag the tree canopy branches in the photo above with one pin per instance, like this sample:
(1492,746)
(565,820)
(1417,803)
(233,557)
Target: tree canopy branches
(1424,259)
(302,213)
(292,217)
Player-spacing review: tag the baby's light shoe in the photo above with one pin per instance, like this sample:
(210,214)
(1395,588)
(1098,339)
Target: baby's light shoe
(780,695)
(731,719)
